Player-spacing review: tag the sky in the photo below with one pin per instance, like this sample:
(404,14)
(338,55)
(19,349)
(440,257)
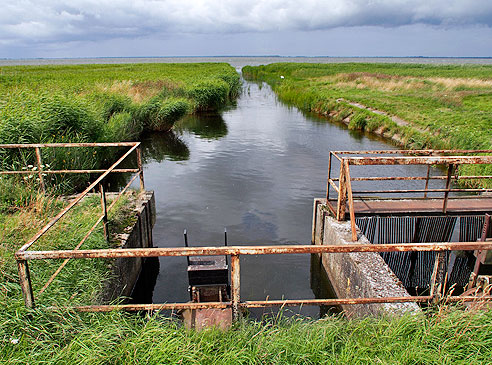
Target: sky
(163,28)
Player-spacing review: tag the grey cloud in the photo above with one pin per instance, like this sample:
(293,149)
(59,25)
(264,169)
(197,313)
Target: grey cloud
(29,21)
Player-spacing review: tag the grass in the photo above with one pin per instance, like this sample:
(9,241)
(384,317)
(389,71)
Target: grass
(42,335)
(99,103)
(425,106)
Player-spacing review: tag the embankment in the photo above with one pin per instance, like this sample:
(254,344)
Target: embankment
(414,106)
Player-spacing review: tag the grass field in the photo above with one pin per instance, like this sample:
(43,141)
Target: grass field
(425,106)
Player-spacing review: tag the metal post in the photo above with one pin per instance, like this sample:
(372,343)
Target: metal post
(40,169)
(105,212)
(328,181)
(25,283)
(140,168)
(185,234)
(351,202)
(427,180)
(225,243)
(448,185)
(235,286)
(342,194)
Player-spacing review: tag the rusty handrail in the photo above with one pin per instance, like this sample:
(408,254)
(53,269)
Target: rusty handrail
(347,195)
(236,251)
(251,250)
(23,268)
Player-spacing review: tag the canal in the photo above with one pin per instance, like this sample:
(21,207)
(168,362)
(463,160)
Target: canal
(253,169)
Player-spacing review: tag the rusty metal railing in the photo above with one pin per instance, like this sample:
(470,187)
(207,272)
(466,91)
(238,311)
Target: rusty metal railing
(447,158)
(22,264)
(437,282)
(437,278)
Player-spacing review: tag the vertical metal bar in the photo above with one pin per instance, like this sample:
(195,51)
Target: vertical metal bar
(351,202)
(235,286)
(342,194)
(140,168)
(225,243)
(105,212)
(25,283)
(40,169)
(185,234)
(448,184)
(427,181)
(328,181)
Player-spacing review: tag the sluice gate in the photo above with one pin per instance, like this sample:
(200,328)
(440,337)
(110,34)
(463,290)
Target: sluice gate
(401,211)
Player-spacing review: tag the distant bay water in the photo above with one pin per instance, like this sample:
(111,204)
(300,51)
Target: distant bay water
(239,62)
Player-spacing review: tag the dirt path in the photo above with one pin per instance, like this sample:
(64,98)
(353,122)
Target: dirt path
(397,120)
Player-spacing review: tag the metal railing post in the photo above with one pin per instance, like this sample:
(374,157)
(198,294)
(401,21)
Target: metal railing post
(235,286)
(25,283)
(342,193)
(448,185)
(40,169)
(351,201)
(328,181)
(140,168)
(427,181)
(105,212)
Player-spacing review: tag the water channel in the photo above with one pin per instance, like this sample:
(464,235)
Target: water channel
(253,169)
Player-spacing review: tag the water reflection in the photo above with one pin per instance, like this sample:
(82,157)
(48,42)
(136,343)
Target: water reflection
(159,146)
(321,286)
(203,125)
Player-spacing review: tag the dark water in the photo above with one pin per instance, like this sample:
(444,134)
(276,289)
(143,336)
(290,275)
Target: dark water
(254,169)
(239,62)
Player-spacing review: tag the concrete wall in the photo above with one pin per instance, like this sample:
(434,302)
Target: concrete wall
(125,271)
(356,275)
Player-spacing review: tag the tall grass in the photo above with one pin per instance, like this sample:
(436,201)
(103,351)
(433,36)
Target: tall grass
(99,103)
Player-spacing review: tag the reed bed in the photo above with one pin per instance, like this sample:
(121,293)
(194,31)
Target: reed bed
(98,103)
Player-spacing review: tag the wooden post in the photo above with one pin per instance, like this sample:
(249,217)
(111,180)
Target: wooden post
(448,185)
(25,283)
(140,168)
(437,279)
(105,212)
(427,180)
(351,202)
(40,169)
(235,286)
(342,194)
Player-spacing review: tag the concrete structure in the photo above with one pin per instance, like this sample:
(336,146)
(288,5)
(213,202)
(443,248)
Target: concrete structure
(356,275)
(126,271)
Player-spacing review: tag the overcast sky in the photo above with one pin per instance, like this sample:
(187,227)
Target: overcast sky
(125,28)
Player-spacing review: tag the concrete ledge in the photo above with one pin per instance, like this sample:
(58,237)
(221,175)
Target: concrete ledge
(125,271)
(357,275)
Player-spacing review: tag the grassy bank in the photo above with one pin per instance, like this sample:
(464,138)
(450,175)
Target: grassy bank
(99,103)
(106,102)
(43,335)
(423,106)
